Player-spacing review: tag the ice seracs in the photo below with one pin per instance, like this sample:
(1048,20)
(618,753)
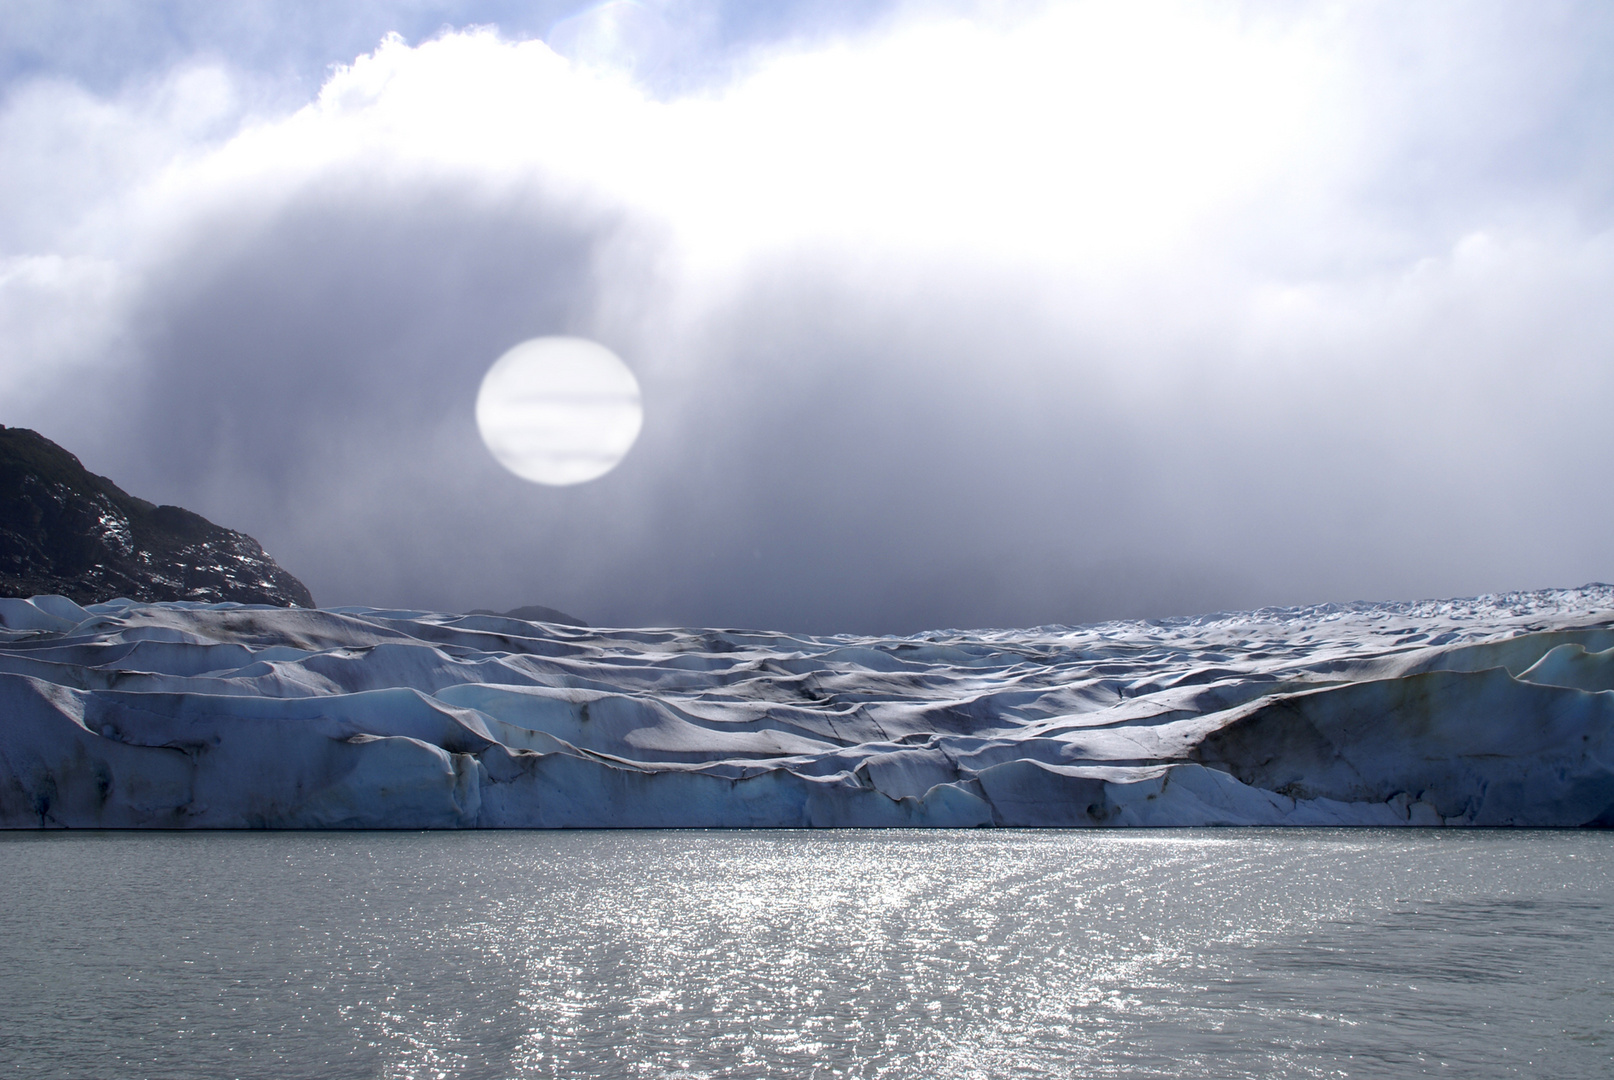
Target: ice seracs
(1490,711)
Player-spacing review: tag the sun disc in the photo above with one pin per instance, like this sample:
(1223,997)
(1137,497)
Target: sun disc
(559,410)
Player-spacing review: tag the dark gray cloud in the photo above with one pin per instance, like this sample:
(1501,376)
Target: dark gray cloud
(835,460)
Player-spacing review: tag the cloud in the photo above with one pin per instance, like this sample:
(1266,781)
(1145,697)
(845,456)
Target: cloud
(967,317)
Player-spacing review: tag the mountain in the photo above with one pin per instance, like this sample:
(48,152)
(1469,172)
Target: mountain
(65,530)
(534,613)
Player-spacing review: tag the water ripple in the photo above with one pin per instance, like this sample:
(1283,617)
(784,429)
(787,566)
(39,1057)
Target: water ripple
(869,954)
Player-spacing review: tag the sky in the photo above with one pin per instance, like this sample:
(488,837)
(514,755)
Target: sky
(944,314)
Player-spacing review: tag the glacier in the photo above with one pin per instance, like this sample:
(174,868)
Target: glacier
(1491,711)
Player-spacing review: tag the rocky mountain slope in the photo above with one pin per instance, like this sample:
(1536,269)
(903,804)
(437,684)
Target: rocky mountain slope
(66,531)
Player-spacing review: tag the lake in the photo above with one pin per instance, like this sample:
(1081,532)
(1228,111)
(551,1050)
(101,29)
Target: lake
(1291,953)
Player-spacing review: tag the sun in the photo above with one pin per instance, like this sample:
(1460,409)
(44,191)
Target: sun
(559,410)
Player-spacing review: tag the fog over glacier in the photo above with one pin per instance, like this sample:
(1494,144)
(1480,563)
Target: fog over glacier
(944,315)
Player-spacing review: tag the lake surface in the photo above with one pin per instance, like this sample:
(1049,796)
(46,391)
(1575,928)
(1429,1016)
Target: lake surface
(863,954)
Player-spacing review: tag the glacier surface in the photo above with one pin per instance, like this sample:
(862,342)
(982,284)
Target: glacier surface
(1496,710)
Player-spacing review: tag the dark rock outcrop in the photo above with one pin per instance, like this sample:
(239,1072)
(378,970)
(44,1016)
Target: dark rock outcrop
(65,530)
(534,613)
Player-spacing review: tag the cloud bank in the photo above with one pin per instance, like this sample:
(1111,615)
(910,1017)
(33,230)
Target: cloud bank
(966,317)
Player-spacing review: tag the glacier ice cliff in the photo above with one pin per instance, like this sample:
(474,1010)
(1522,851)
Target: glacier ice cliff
(1492,711)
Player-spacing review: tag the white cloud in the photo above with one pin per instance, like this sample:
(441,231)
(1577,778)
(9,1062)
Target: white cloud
(59,318)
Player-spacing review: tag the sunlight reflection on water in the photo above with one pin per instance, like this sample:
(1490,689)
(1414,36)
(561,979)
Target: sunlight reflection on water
(867,954)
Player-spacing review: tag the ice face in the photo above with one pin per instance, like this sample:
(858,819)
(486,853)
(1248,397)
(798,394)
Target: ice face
(1490,711)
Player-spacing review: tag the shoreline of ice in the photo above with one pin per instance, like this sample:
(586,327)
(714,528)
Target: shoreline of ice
(1495,710)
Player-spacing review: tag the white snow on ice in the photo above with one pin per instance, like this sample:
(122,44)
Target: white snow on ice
(1496,710)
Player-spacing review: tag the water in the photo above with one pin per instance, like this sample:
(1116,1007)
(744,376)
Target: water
(864,954)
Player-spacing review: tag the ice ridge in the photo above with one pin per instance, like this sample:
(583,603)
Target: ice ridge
(1495,710)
